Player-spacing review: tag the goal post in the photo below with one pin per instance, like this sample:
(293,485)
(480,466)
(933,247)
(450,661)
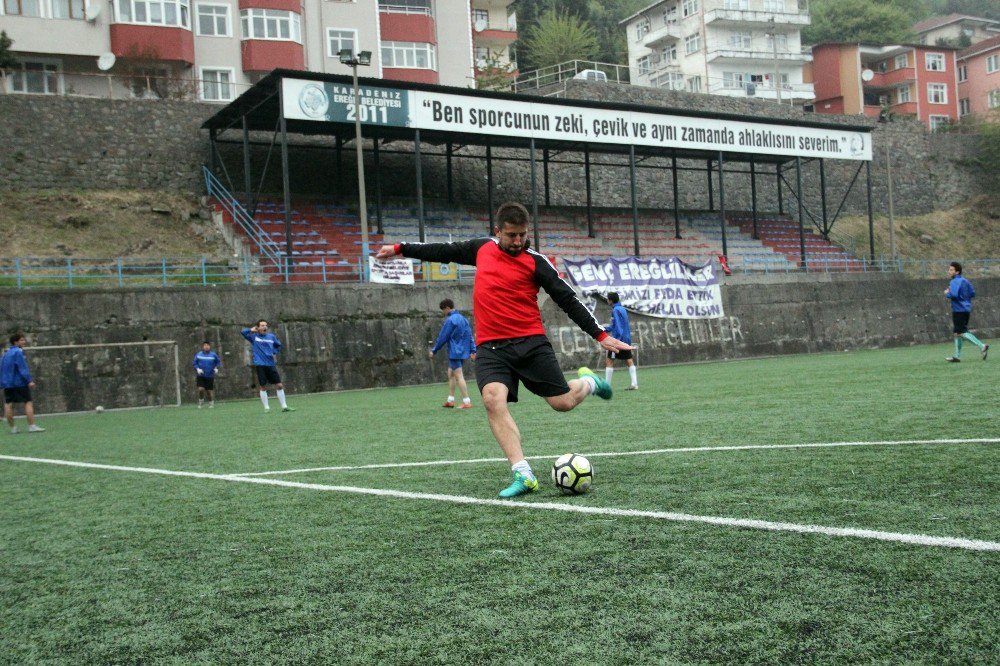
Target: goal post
(113,375)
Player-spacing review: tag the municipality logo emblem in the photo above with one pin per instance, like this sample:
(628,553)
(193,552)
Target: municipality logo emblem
(857,145)
(313,101)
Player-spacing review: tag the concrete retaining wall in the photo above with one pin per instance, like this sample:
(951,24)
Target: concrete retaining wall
(340,337)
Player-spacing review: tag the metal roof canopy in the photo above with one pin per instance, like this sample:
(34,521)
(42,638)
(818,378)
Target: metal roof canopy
(260,109)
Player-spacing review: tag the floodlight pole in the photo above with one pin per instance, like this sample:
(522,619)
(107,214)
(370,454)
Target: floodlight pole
(362,199)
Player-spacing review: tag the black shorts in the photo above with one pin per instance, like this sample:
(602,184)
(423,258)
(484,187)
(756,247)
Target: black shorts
(621,355)
(207,383)
(960,321)
(530,360)
(267,375)
(17,394)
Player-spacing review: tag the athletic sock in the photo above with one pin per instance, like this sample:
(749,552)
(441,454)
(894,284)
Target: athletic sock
(263,399)
(524,468)
(632,373)
(607,374)
(281,397)
(591,383)
(466,401)
(958,346)
(973,339)
(451,398)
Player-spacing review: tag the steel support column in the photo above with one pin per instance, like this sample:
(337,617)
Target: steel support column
(822,198)
(286,189)
(590,203)
(376,155)
(545,174)
(534,194)
(871,213)
(781,196)
(753,196)
(635,199)
(339,149)
(246,166)
(802,226)
(711,193)
(722,205)
(451,191)
(677,204)
(489,188)
(211,152)
(419,176)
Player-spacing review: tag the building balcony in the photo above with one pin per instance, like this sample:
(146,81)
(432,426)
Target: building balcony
(765,90)
(662,35)
(168,43)
(893,79)
(413,27)
(726,18)
(263,55)
(493,35)
(732,53)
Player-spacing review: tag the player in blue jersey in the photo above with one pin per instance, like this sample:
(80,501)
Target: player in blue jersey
(17,384)
(206,365)
(457,334)
(265,347)
(960,292)
(619,328)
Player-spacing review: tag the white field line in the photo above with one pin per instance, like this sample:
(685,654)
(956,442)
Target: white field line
(615,454)
(895,537)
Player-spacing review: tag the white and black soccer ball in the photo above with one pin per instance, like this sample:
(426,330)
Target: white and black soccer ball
(572,474)
(98,409)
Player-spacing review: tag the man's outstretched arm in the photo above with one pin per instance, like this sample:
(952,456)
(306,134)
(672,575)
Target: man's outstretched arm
(461,252)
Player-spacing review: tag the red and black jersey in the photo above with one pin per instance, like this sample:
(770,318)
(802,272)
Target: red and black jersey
(505,292)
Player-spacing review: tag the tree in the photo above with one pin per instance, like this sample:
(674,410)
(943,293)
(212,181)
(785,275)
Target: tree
(857,21)
(7,59)
(559,37)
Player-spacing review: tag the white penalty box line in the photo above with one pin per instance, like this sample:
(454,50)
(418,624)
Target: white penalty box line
(616,454)
(894,537)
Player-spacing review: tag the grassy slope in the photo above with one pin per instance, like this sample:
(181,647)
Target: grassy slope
(109,566)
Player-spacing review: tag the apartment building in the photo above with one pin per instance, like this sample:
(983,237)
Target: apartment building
(214,49)
(722,47)
(979,79)
(955,30)
(906,79)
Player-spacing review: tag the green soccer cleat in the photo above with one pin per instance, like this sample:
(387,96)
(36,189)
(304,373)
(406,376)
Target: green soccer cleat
(603,388)
(288,409)
(520,486)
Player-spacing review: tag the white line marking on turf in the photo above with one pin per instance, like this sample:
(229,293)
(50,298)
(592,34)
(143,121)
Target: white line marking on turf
(610,454)
(747,523)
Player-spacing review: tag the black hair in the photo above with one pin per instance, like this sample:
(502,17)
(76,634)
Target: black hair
(613,296)
(957,266)
(206,342)
(15,337)
(447,303)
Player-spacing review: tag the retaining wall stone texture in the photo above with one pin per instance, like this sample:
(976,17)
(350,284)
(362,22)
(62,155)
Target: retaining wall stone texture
(344,337)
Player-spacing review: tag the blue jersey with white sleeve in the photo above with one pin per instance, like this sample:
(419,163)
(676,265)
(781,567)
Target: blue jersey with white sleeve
(960,293)
(264,346)
(207,363)
(619,326)
(14,369)
(457,334)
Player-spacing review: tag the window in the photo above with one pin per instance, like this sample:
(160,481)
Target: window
(481,55)
(963,73)
(155,12)
(43,77)
(641,29)
(689,8)
(993,99)
(993,63)
(669,54)
(670,15)
(670,81)
(67,9)
(774,5)
(481,17)
(934,62)
(733,79)
(23,7)
(737,4)
(900,61)
(271,24)
(740,40)
(939,122)
(642,64)
(411,55)
(692,43)
(964,107)
(781,39)
(694,84)
(216,85)
(937,93)
(338,39)
(903,95)
(213,20)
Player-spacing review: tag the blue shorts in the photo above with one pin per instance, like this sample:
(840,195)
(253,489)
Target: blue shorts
(455,363)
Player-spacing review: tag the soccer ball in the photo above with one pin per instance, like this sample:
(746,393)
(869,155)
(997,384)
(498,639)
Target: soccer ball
(98,409)
(572,474)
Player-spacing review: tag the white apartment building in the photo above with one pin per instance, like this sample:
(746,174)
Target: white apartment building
(722,47)
(212,50)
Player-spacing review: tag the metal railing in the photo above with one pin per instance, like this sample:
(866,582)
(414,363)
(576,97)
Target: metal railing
(121,272)
(567,70)
(268,248)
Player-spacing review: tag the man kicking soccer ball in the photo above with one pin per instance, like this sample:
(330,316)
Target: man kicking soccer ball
(511,345)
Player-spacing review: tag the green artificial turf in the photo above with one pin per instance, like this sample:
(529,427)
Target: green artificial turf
(107,566)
